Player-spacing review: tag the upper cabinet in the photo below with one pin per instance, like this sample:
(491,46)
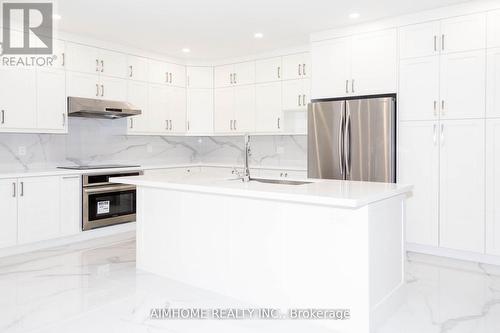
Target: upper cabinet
(358,65)
(268,70)
(200,100)
(92,60)
(296,66)
(493,29)
(165,73)
(137,68)
(199,77)
(235,75)
(458,34)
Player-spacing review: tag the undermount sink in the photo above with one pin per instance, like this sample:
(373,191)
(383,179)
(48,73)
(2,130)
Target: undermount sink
(279,181)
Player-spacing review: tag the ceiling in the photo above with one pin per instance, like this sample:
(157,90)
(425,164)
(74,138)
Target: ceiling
(218,29)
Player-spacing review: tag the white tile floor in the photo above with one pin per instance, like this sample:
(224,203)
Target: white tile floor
(94,287)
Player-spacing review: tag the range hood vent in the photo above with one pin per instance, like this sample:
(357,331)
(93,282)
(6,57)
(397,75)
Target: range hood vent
(98,108)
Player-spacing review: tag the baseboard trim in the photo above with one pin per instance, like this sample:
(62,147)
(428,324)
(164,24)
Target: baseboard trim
(454,254)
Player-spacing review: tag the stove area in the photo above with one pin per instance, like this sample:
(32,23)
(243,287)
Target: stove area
(98,167)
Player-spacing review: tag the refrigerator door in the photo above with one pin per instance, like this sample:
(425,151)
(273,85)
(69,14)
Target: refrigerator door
(370,140)
(326,122)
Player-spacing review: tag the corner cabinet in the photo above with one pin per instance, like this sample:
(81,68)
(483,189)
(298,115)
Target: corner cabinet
(364,64)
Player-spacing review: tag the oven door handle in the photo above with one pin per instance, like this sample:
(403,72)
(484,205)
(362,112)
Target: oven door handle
(108,189)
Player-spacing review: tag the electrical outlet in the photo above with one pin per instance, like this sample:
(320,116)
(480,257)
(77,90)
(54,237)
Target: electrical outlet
(21,151)
(149,148)
(280,150)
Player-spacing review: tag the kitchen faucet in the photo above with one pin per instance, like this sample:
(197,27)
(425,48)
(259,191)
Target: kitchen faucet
(246,171)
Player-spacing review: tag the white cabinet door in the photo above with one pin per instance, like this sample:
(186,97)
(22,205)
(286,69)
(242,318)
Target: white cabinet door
(223,76)
(70,205)
(82,58)
(177,110)
(200,77)
(331,61)
(244,106)
(418,156)
(244,73)
(419,88)
(113,64)
(463,84)
(296,66)
(83,85)
(113,89)
(17,98)
(59,50)
(296,94)
(493,83)
(176,75)
(462,215)
(138,96)
(137,68)
(268,109)
(157,72)
(493,29)
(38,209)
(374,63)
(200,111)
(493,186)
(8,213)
(224,110)
(463,33)
(268,70)
(51,99)
(419,40)
(158,108)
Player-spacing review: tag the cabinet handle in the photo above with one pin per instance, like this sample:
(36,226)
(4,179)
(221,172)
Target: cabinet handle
(231,124)
(3,116)
(22,189)
(63,59)
(102,66)
(346,86)
(235,80)
(188,125)
(279,126)
(279,72)
(170,74)
(435,43)
(435,108)
(300,69)
(97,89)
(434,138)
(303,100)
(166,125)
(102,90)
(442,42)
(64,119)
(442,134)
(170,125)
(442,107)
(131,123)
(14,190)
(234,124)
(352,85)
(298,102)
(230,78)
(131,71)
(97,65)
(304,69)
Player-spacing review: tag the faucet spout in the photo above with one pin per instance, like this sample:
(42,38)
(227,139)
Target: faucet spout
(246,172)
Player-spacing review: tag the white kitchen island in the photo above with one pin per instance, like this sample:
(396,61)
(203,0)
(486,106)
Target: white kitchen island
(323,245)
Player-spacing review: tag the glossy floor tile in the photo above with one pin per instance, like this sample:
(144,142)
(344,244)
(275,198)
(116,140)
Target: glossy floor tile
(94,287)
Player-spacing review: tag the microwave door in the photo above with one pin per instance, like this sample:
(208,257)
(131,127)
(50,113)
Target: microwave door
(326,122)
(370,140)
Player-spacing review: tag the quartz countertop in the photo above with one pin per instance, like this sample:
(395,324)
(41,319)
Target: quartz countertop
(346,194)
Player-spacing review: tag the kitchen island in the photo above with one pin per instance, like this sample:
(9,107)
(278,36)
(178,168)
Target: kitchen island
(324,245)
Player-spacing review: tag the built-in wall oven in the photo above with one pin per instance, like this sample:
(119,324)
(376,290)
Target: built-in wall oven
(106,203)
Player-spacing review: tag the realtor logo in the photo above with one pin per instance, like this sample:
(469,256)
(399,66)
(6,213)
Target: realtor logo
(28,28)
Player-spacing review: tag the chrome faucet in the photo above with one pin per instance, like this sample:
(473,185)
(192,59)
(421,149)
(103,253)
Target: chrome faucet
(246,171)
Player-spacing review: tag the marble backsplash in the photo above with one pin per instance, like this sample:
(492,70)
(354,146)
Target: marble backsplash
(95,141)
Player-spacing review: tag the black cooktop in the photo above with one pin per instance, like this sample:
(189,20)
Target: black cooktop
(102,166)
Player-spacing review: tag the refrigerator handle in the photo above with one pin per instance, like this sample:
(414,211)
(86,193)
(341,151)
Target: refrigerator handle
(341,145)
(347,145)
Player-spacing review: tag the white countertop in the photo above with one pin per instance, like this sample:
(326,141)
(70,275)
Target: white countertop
(346,194)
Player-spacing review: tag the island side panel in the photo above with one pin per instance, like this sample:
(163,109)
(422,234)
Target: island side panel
(266,253)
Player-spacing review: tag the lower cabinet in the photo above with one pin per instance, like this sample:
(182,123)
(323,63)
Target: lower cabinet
(39,208)
(445,163)
(8,213)
(493,186)
(418,157)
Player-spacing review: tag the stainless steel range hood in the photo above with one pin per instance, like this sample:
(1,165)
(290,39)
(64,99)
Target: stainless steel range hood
(98,108)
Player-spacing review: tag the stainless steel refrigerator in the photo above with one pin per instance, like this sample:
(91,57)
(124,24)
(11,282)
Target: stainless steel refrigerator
(353,139)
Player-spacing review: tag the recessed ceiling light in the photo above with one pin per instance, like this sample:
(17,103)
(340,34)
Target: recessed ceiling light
(186,50)
(354,16)
(258,35)
(56,17)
